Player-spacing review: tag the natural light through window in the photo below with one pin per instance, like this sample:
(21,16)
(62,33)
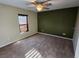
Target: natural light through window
(33,53)
(23,23)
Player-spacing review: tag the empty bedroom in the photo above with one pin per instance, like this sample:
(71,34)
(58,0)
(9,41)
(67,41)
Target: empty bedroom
(39,28)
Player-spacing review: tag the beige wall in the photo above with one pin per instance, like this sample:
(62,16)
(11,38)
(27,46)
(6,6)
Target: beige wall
(9,27)
(76,37)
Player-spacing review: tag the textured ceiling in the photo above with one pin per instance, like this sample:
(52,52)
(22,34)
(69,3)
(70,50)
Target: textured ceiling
(56,4)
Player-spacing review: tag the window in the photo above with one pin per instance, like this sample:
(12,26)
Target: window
(23,23)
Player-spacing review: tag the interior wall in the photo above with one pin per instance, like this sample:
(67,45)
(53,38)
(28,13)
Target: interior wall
(58,22)
(9,26)
(77,50)
(76,37)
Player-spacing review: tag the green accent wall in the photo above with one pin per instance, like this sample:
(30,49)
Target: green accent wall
(57,22)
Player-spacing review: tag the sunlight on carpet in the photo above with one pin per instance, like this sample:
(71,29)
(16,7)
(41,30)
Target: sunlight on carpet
(33,53)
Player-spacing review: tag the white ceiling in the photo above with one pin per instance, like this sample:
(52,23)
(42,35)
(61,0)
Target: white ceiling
(56,4)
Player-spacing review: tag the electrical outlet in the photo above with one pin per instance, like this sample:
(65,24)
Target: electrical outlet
(64,34)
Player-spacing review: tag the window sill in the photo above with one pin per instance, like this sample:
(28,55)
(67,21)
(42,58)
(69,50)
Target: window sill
(22,32)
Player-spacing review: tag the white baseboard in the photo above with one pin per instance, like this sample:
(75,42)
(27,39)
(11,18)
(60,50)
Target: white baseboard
(8,43)
(33,34)
(55,36)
